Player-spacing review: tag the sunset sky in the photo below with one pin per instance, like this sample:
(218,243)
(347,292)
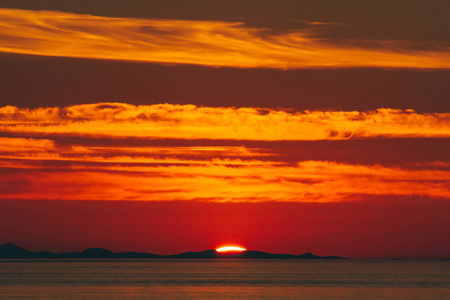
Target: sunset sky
(284,126)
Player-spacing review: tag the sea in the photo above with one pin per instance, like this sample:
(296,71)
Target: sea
(224,279)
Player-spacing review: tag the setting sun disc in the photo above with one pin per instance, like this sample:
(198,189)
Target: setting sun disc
(230,249)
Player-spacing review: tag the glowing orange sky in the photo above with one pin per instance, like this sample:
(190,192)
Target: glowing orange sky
(309,126)
(209,43)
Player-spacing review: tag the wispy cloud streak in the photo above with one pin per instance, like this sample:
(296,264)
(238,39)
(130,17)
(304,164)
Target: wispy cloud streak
(208,43)
(86,174)
(192,122)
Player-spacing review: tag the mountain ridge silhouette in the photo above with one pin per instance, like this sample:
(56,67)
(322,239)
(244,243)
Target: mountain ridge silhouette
(13,251)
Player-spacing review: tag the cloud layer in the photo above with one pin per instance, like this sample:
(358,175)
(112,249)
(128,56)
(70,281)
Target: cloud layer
(193,122)
(104,151)
(38,169)
(208,43)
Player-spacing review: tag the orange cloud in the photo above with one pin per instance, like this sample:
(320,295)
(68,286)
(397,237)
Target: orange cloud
(216,180)
(20,146)
(208,43)
(43,168)
(192,122)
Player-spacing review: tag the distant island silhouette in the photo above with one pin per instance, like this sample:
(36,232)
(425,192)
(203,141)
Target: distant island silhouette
(12,251)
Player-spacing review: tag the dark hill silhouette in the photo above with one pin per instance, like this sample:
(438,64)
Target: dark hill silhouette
(195,255)
(12,251)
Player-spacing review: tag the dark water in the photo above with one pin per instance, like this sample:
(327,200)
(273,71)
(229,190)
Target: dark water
(224,279)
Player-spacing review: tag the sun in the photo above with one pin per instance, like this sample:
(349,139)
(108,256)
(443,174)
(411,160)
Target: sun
(230,249)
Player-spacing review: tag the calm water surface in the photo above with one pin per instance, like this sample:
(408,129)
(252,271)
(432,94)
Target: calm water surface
(224,279)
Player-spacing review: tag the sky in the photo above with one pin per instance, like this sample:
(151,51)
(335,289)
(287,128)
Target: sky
(280,126)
